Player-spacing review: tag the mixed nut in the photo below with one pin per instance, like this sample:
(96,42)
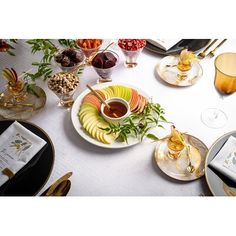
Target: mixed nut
(63,82)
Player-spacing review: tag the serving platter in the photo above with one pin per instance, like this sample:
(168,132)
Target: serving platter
(81,131)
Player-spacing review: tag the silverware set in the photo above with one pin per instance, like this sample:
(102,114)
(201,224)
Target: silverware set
(206,52)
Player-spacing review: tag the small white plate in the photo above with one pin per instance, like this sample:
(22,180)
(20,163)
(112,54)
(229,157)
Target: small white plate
(177,168)
(215,183)
(79,128)
(167,71)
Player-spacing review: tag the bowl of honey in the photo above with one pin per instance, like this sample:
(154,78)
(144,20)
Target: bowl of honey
(117,110)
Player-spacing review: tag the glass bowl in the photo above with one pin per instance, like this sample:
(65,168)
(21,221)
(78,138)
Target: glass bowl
(131,57)
(64,85)
(89,52)
(105,73)
(70,69)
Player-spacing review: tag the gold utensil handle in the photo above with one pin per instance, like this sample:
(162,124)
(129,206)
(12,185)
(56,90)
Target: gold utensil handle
(213,42)
(53,186)
(97,95)
(218,45)
(102,50)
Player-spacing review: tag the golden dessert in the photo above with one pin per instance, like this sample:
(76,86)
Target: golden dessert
(175,143)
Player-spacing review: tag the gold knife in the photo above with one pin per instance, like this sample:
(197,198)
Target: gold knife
(212,53)
(54,186)
(202,54)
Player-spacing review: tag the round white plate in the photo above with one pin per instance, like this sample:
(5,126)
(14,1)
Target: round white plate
(216,185)
(169,74)
(78,127)
(177,168)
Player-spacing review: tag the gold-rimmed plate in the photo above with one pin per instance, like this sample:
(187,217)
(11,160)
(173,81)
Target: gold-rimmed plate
(36,99)
(33,176)
(219,185)
(167,71)
(177,168)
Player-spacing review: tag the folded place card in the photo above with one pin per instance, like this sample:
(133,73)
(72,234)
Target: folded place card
(225,160)
(18,146)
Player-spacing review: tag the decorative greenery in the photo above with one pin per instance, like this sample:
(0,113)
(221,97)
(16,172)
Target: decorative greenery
(48,48)
(71,43)
(139,125)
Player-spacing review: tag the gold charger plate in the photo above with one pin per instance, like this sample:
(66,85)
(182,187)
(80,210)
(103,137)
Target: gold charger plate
(177,168)
(24,113)
(167,71)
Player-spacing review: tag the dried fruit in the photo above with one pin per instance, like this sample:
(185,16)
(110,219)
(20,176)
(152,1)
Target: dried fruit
(104,60)
(69,57)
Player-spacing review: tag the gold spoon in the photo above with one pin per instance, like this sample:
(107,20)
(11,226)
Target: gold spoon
(202,54)
(101,51)
(102,100)
(190,168)
(212,53)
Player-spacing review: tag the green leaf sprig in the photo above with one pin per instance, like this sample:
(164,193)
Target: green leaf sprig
(71,43)
(139,125)
(44,68)
(48,48)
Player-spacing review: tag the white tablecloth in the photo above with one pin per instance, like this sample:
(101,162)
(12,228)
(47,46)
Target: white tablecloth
(130,171)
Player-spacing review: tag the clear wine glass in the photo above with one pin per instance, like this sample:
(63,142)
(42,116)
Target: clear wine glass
(225,84)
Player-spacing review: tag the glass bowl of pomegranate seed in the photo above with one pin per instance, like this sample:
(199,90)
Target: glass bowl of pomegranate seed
(131,49)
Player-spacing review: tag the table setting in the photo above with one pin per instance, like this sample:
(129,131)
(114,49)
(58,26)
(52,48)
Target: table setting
(117,117)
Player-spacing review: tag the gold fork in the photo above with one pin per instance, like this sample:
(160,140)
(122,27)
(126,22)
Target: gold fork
(202,54)
(212,53)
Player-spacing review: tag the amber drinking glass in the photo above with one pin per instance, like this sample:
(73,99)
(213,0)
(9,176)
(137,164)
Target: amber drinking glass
(225,84)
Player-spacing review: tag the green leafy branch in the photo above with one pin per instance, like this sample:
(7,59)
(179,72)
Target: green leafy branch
(71,43)
(139,125)
(48,48)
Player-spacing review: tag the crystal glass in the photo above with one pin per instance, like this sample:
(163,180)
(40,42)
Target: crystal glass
(90,52)
(131,57)
(225,84)
(70,69)
(174,72)
(17,91)
(105,73)
(66,99)
(174,148)
(64,85)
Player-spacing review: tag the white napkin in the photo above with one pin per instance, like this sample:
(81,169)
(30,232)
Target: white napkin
(165,44)
(17,147)
(225,160)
